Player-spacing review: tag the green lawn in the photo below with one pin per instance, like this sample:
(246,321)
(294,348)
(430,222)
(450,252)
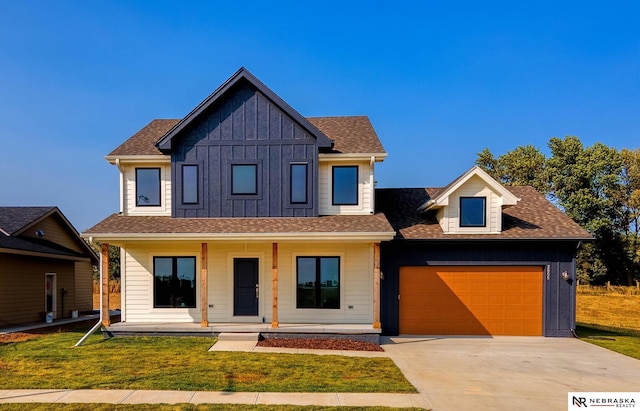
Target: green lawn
(182,407)
(170,363)
(627,343)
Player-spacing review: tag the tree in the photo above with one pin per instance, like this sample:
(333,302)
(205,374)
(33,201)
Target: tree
(597,186)
(114,261)
(523,166)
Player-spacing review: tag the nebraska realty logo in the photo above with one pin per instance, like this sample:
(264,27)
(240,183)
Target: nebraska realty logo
(582,400)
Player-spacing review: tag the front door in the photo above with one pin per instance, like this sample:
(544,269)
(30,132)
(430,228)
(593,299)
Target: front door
(245,286)
(50,293)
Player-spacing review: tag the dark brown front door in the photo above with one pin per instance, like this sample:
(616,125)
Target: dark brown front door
(245,286)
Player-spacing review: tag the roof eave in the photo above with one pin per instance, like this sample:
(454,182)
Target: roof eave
(323,236)
(158,158)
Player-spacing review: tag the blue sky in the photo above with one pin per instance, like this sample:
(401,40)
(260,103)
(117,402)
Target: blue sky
(440,81)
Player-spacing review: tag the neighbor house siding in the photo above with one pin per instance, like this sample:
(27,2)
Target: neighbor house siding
(22,292)
(245,128)
(55,231)
(555,257)
(83,286)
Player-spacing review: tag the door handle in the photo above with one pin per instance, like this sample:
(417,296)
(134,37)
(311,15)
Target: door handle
(257,291)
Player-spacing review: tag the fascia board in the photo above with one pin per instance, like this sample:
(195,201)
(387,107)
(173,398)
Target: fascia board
(379,157)
(345,236)
(40,254)
(139,159)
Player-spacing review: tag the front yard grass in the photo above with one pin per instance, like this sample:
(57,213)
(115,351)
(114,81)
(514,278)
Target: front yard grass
(627,343)
(171,363)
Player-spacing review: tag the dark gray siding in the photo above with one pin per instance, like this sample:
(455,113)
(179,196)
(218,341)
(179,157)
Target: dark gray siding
(244,128)
(555,257)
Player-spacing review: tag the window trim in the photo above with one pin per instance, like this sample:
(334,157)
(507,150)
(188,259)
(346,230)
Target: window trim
(318,288)
(159,169)
(484,212)
(333,185)
(197,184)
(256,175)
(306,183)
(174,265)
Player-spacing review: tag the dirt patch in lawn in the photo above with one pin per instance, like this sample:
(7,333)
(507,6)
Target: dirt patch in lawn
(320,344)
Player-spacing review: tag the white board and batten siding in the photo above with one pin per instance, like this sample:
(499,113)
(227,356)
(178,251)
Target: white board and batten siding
(129,182)
(366,189)
(475,187)
(356,282)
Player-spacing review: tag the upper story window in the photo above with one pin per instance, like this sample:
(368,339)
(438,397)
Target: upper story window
(298,183)
(189,184)
(345,185)
(147,187)
(318,282)
(244,179)
(473,211)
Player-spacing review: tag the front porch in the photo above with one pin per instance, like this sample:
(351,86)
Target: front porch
(359,332)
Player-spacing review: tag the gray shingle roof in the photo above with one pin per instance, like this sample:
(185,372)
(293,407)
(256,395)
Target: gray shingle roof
(12,219)
(161,225)
(352,135)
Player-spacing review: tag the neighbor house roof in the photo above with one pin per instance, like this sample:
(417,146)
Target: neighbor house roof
(161,227)
(351,134)
(532,218)
(15,221)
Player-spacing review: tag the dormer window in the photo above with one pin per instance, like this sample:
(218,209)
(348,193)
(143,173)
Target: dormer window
(147,187)
(473,211)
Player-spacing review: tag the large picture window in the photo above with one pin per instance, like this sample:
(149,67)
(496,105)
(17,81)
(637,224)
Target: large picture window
(174,282)
(473,211)
(189,184)
(298,184)
(244,179)
(345,185)
(318,280)
(147,187)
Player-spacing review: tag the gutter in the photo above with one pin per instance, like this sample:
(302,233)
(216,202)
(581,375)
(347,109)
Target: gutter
(353,236)
(99,323)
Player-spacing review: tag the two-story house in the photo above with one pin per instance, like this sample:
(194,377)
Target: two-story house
(246,212)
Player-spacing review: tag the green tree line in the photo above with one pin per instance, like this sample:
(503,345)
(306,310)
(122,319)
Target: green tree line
(597,186)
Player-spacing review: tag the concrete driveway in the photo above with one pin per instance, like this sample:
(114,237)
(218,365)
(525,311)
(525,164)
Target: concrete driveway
(508,373)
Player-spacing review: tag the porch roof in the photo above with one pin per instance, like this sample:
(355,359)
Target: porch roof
(373,227)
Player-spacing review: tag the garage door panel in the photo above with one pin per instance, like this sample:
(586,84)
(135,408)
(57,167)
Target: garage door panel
(471,300)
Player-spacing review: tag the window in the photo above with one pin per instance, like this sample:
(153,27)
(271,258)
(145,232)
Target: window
(147,187)
(472,211)
(244,179)
(298,183)
(189,184)
(345,185)
(174,284)
(318,282)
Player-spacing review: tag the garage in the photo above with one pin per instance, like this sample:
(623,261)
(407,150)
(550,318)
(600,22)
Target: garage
(471,300)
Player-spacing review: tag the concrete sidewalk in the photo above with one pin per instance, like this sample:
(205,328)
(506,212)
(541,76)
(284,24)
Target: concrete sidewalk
(210,397)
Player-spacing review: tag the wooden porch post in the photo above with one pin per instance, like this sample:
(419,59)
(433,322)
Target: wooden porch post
(204,289)
(104,285)
(274,287)
(376,286)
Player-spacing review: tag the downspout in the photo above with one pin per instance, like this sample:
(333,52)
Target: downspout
(121,185)
(373,185)
(573,294)
(99,323)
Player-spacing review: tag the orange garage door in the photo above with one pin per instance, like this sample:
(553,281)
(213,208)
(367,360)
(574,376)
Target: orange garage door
(471,300)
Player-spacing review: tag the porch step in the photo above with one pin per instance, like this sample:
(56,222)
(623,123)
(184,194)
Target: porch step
(238,336)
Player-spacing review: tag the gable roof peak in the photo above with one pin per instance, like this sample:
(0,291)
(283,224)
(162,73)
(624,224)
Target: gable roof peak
(441,199)
(164,143)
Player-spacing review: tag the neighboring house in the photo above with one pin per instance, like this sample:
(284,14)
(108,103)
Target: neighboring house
(45,267)
(246,212)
